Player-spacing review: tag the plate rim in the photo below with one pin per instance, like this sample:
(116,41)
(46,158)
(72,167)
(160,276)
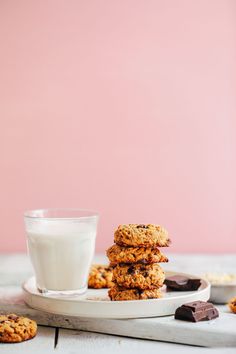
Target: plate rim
(163,299)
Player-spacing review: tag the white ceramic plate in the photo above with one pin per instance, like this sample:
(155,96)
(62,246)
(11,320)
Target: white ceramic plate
(96,303)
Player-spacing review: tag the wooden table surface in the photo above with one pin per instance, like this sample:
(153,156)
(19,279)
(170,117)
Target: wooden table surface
(15,268)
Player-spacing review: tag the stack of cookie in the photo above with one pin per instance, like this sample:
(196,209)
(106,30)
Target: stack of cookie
(135,257)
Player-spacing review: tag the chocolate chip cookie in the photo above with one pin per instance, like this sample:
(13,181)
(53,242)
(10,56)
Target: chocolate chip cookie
(117,293)
(100,276)
(139,235)
(150,276)
(118,254)
(15,328)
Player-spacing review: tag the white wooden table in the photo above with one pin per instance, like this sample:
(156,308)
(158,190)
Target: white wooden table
(14,269)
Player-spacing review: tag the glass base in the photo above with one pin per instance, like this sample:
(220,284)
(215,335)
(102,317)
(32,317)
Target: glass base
(60,293)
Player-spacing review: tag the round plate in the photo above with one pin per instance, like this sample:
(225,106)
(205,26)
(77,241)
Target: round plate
(96,303)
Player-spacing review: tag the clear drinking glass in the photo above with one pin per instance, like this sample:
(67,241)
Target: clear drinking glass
(61,244)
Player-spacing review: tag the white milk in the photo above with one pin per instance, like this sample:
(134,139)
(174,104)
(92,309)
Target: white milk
(61,252)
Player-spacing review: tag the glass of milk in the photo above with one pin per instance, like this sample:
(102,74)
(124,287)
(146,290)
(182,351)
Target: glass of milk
(61,244)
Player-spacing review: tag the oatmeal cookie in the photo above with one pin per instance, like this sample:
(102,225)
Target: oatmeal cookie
(15,328)
(150,276)
(117,293)
(139,235)
(100,276)
(232,304)
(118,254)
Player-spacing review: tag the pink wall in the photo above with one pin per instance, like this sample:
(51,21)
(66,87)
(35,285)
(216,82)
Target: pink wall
(126,107)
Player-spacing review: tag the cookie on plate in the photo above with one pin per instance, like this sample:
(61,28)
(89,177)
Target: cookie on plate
(100,276)
(15,328)
(117,293)
(140,235)
(119,254)
(232,304)
(149,276)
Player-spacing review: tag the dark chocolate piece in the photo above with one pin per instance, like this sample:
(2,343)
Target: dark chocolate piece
(196,311)
(182,283)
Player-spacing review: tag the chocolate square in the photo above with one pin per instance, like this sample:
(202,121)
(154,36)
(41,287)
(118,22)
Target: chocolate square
(196,311)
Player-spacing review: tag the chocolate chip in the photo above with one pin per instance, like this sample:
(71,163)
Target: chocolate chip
(13,317)
(143,261)
(131,270)
(145,274)
(142,226)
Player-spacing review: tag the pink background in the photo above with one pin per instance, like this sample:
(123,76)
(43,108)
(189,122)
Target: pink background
(126,107)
